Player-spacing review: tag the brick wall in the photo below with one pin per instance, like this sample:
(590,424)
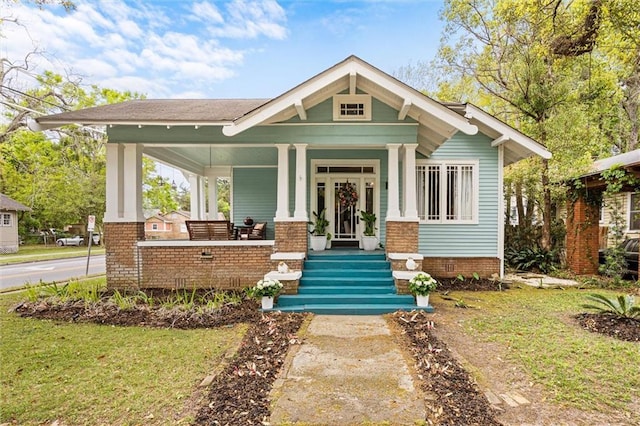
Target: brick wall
(582,237)
(402,237)
(122,254)
(219,267)
(291,237)
(449,267)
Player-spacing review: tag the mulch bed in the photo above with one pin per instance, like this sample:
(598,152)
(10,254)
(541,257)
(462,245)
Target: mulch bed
(452,396)
(470,284)
(621,328)
(240,394)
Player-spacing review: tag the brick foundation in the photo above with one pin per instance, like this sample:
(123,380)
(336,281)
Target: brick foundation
(582,237)
(401,237)
(215,267)
(122,253)
(450,267)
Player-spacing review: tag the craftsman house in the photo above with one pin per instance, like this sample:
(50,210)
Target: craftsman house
(430,172)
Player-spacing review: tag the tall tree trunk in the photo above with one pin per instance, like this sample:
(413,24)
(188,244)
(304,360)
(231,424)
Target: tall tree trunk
(520,204)
(545,241)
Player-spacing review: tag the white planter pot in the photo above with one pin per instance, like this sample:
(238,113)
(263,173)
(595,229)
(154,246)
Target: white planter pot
(369,243)
(318,242)
(267,302)
(422,301)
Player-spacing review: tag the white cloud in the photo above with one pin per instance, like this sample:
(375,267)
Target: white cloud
(149,48)
(206,12)
(251,19)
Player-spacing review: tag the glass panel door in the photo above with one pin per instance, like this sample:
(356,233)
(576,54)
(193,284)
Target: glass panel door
(346,196)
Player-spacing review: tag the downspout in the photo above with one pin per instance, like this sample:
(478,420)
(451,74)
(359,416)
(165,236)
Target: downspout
(501,209)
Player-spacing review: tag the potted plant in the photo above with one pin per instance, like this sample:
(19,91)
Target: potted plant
(266,290)
(369,240)
(421,285)
(319,235)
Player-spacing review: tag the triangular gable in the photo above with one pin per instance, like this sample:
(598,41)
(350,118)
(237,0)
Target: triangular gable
(352,73)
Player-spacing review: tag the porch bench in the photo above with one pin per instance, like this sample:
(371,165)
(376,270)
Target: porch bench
(203,230)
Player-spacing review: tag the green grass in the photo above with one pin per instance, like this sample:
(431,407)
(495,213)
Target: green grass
(85,374)
(577,367)
(32,253)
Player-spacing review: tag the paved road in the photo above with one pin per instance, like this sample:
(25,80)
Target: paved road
(49,270)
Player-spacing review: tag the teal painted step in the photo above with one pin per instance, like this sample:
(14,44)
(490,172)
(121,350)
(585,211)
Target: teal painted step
(346,282)
(349,255)
(346,273)
(327,309)
(346,289)
(346,264)
(344,299)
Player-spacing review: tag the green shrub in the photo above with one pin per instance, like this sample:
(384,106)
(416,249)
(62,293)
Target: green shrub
(532,258)
(622,306)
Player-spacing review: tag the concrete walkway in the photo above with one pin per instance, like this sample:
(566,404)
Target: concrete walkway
(348,371)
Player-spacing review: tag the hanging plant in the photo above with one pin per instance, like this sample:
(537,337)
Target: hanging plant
(347,195)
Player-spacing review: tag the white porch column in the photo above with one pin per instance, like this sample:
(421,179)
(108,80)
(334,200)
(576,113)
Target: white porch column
(196,190)
(282,209)
(393,193)
(410,209)
(300,211)
(132,175)
(212,174)
(115,183)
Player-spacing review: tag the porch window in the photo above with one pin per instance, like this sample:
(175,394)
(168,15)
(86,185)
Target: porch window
(634,212)
(6,219)
(447,191)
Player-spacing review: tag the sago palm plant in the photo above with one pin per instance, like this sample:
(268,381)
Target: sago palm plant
(622,306)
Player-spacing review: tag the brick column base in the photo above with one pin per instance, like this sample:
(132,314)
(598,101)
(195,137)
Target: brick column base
(401,237)
(291,237)
(582,237)
(122,253)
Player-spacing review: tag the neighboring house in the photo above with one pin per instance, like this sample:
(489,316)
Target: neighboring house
(431,172)
(587,225)
(170,226)
(9,239)
(627,202)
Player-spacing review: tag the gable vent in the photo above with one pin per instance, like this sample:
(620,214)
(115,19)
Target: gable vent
(352,108)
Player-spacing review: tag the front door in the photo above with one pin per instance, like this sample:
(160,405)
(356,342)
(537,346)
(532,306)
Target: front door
(343,191)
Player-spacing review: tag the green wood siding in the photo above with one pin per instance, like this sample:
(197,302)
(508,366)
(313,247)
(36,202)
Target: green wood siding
(255,195)
(478,240)
(362,134)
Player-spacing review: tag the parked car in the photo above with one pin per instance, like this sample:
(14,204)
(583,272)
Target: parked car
(71,241)
(630,247)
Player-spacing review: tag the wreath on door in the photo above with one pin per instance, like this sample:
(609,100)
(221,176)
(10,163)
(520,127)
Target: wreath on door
(347,195)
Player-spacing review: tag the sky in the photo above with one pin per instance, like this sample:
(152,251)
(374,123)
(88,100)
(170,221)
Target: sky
(215,48)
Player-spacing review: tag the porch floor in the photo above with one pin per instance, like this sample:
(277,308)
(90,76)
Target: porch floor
(346,281)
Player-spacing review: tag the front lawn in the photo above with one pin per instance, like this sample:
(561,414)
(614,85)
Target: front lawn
(95,374)
(538,329)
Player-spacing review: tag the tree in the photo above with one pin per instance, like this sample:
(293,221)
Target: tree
(508,49)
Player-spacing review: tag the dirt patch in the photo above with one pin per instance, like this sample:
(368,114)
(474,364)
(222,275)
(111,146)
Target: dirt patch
(621,328)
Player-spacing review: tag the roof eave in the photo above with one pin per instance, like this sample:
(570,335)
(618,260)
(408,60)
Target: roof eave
(506,132)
